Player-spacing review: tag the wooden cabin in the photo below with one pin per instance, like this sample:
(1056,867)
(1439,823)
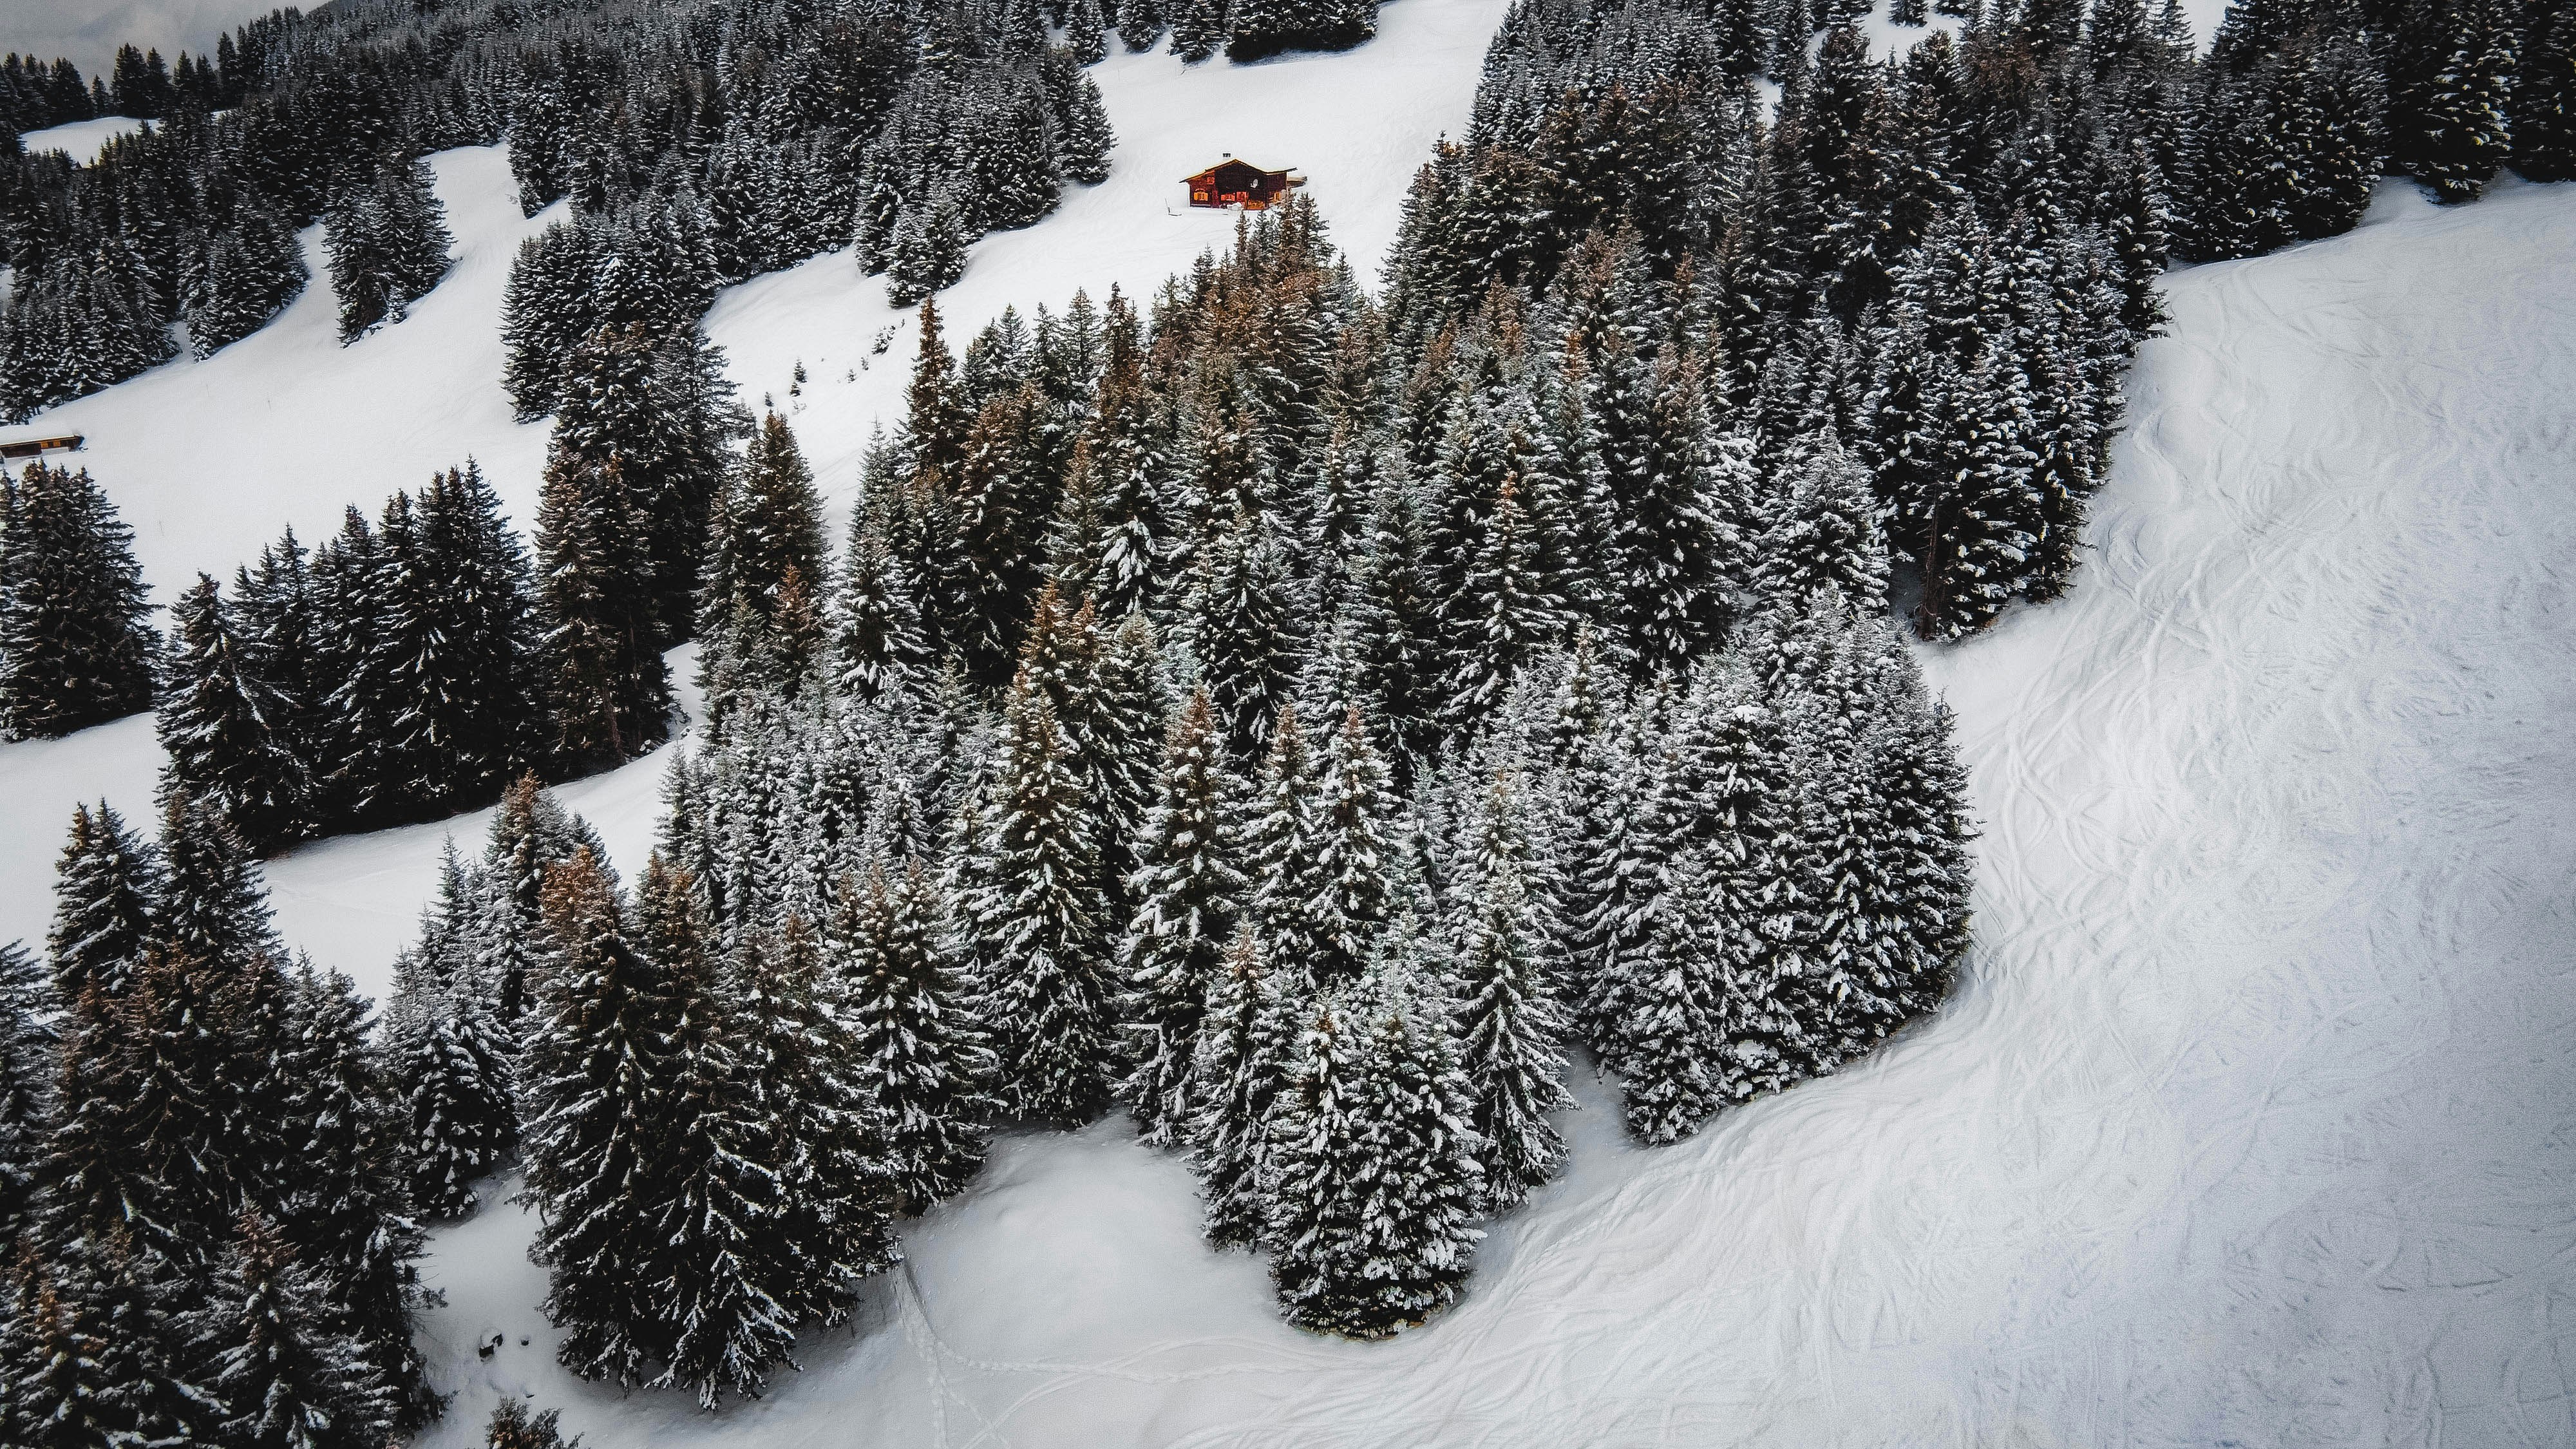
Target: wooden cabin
(1240,183)
(20,444)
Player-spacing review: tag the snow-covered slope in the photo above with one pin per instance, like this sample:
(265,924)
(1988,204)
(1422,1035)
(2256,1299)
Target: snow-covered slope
(1357,124)
(208,460)
(2249,1124)
(80,140)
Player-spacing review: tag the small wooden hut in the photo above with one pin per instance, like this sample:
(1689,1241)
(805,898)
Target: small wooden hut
(1231,182)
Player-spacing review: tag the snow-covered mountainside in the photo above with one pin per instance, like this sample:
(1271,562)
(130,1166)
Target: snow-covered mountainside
(2246,1125)
(209,459)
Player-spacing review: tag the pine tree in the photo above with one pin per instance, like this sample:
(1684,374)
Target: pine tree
(1512,1027)
(449,1058)
(514,1427)
(1355,865)
(389,245)
(105,887)
(2544,96)
(1246,1037)
(1087,137)
(597,1072)
(288,1379)
(224,727)
(714,1204)
(1199,28)
(342,1206)
(1189,892)
(610,694)
(1374,1179)
(1239,630)
(1042,917)
(96,1355)
(75,649)
(2449,109)
(916,1046)
(1823,531)
(1140,23)
(28,1041)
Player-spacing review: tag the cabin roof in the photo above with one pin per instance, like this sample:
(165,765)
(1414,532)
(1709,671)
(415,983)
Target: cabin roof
(1236,161)
(39,433)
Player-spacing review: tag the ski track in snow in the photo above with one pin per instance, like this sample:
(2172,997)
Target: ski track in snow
(2250,1122)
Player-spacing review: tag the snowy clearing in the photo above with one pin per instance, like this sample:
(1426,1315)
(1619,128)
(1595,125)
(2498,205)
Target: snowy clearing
(80,140)
(2248,1125)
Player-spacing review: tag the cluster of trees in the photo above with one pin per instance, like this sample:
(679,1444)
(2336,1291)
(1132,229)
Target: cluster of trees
(76,642)
(411,667)
(35,95)
(200,1188)
(760,131)
(389,246)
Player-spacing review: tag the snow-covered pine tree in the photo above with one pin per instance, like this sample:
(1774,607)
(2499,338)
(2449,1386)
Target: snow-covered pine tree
(1199,28)
(1356,865)
(531,832)
(514,1426)
(1280,833)
(449,1058)
(2451,78)
(224,727)
(764,564)
(1140,23)
(341,1204)
(75,647)
(1372,1175)
(1086,137)
(1511,1026)
(106,886)
(882,650)
(1189,892)
(1039,923)
(2544,95)
(596,1073)
(389,245)
(28,1043)
(1239,627)
(714,1204)
(927,252)
(916,1047)
(1822,530)
(1259,28)
(94,1353)
(611,693)
(1247,1035)
(271,1351)
(1983,513)
(252,269)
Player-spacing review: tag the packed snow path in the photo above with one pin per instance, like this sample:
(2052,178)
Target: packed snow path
(2250,1123)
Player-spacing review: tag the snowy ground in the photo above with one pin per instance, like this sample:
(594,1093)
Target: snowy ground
(80,140)
(2250,1123)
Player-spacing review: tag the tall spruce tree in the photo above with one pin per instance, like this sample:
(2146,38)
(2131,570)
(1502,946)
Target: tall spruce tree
(1189,891)
(1040,915)
(75,649)
(597,1074)
(917,1050)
